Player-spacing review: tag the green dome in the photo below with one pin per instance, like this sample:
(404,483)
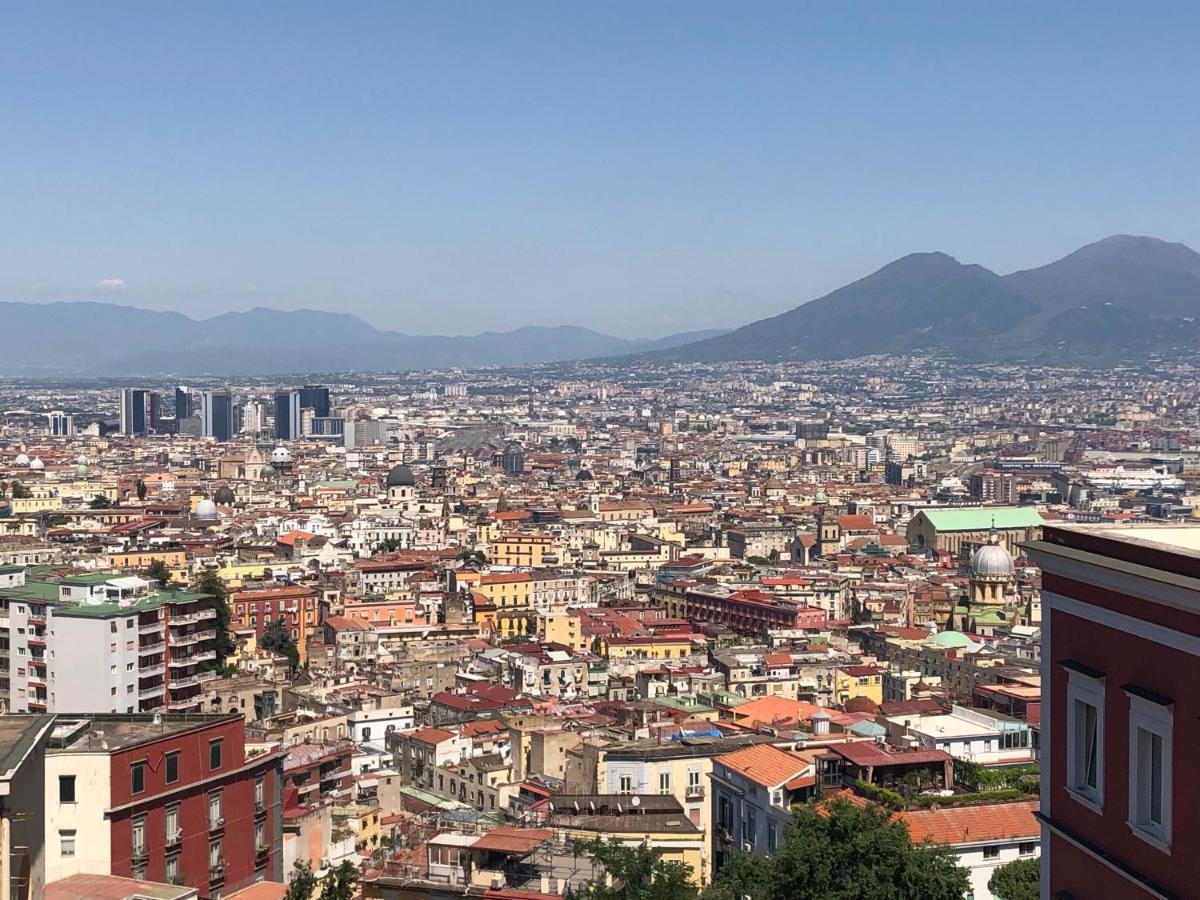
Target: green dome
(821,497)
(80,470)
(950,640)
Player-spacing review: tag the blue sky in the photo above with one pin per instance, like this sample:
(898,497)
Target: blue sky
(639,168)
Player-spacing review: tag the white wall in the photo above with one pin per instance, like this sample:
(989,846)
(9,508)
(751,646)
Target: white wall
(93,795)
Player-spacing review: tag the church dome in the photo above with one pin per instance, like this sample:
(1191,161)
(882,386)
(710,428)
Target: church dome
(266,471)
(992,561)
(21,460)
(82,459)
(81,470)
(223,496)
(281,456)
(206,511)
(584,475)
(821,496)
(401,476)
(37,465)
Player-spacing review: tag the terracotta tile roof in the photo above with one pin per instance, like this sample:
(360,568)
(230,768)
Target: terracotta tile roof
(764,764)
(867,753)
(431,735)
(507,839)
(766,710)
(974,824)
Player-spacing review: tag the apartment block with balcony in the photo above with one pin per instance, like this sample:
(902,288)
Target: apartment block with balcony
(132,648)
(162,798)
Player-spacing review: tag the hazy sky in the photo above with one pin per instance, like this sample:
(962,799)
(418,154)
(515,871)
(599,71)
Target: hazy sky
(640,168)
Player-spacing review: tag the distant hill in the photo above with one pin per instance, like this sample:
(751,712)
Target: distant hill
(105,339)
(1117,297)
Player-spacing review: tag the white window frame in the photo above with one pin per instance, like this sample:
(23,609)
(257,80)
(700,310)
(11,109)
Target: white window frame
(1159,719)
(1085,688)
(664,782)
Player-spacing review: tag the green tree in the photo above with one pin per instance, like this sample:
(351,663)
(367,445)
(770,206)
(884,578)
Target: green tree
(158,571)
(636,873)
(744,874)
(99,501)
(301,883)
(140,487)
(209,582)
(339,883)
(276,639)
(20,492)
(1020,879)
(846,852)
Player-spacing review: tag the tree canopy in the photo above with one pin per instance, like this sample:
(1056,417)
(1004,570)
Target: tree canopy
(636,873)
(276,639)
(841,851)
(1020,879)
(158,571)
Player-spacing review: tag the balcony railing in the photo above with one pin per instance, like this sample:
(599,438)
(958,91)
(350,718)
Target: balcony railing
(694,792)
(185,704)
(193,637)
(192,618)
(151,692)
(147,649)
(185,681)
(150,627)
(192,658)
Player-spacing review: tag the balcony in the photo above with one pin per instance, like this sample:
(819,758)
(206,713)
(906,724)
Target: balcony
(37,621)
(192,618)
(694,792)
(147,649)
(151,692)
(150,628)
(192,658)
(216,871)
(190,704)
(37,640)
(179,682)
(175,838)
(202,677)
(193,637)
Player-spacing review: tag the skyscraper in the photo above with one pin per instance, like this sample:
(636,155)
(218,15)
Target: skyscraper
(139,411)
(60,424)
(216,414)
(184,402)
(287,415)
(316,398)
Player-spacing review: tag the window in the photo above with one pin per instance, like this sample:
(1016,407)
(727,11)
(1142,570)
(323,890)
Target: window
(1085,737)
(772,839)
(138,839)
(1151,726)
(137,778)
(626,785)
(991,852)
(258,791)
(172,767)
(172,867)
(172,823)
(214,855)
(214,754)
(1026,848)
(260,837)
(214,810)
(750,829)
(66,843)
(664,782)
(66,788)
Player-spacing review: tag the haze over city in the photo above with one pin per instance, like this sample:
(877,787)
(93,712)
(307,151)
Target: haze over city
(639,169)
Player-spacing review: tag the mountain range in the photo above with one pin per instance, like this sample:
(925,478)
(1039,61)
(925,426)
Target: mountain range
(1118,298)
(103,339)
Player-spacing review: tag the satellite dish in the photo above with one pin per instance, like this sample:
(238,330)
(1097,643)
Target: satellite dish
(635,801)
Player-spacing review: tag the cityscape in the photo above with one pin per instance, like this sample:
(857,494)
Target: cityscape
(599,452)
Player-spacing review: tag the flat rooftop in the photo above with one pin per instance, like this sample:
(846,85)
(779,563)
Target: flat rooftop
(83,734)
(17,735)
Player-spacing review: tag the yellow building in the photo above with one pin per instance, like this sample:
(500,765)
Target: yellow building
(850,682)
(175,561)
(521,549)
(362,821)
(651,647)
(562,628)
(656,820)
(507,590)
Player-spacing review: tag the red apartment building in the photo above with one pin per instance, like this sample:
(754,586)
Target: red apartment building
(300,607)
(163,798)
(751,611)
(1120,711)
